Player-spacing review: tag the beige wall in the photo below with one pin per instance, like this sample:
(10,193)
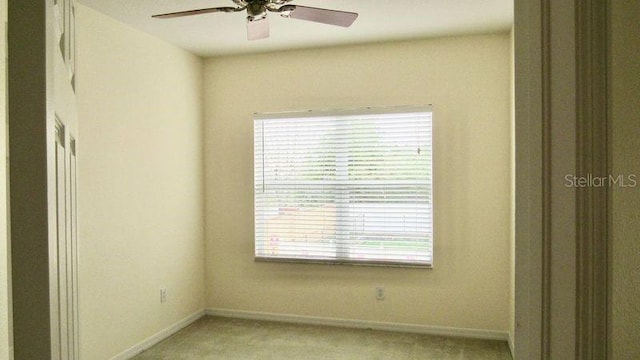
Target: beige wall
(626,160)
(467,80)
(140,185)
(4,266)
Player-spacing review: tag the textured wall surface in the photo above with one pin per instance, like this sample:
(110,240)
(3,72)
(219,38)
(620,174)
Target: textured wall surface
(467,79)
(140,185)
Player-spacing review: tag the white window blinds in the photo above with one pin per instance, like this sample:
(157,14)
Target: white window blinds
(347,187)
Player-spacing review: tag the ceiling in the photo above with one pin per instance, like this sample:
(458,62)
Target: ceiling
(379,20)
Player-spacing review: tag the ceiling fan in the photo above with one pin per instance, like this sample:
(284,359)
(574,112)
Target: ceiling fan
(257,10)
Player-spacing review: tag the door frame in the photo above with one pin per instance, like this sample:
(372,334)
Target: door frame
(562,262)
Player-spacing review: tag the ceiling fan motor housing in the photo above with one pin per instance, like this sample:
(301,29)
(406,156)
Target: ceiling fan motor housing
(256,9)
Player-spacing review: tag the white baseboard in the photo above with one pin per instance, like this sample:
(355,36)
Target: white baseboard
(511,346)
(362,324)
(158,337)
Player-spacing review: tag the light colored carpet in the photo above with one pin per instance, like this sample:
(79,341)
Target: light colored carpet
(235,339)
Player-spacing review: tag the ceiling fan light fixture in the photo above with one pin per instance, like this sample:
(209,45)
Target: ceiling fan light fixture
(257,28)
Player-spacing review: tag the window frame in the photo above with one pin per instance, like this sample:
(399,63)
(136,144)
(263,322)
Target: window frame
(427,109)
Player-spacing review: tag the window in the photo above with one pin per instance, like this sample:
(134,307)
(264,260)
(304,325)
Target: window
(344,187)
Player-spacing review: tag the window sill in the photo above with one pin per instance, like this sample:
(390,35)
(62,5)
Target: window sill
(345,262)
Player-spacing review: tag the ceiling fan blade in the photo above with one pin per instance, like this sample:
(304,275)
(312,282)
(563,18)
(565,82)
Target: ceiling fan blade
(325,16)
(257,29)
(197,12)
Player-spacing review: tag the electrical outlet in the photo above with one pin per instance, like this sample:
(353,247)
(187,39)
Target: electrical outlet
(380,292)
(163,296)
